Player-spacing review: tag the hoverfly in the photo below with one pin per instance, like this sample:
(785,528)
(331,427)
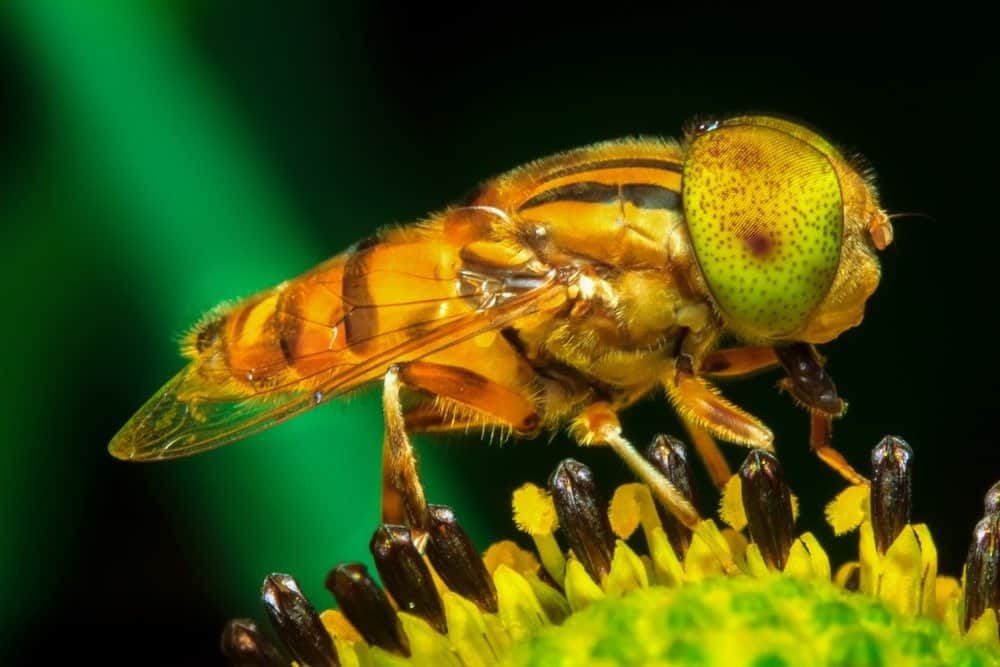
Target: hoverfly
(560,293)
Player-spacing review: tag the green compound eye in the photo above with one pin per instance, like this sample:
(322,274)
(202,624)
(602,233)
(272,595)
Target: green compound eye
(764,210)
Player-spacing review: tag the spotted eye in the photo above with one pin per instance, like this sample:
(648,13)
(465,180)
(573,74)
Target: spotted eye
(763,206)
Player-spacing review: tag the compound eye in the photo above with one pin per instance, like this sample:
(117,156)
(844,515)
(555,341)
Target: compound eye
(764,210)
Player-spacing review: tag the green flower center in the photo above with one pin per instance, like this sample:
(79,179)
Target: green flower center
(774,621)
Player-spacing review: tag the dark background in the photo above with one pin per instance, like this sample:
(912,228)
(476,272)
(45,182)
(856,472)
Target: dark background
(159,157)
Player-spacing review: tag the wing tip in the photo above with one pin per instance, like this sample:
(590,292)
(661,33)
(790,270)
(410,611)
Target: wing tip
(120,449)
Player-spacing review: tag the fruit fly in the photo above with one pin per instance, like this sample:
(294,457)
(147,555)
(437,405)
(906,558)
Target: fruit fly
(560,293)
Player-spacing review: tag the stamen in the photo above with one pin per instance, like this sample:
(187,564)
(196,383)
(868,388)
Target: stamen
(535,514)
(768,506)
(244,646)
(367,608)
(583,517)
(891,490)
(992,500)
(406,576)
(669,455)
(457,561)
(982,569)
(297,623)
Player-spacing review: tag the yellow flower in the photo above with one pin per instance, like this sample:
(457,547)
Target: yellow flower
(748,592)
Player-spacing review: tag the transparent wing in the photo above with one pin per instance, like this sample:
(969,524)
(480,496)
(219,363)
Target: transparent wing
(189,415)
(186,416)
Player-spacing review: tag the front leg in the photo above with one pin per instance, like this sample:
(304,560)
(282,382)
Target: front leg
(809,385)
(812,387)
(599,425)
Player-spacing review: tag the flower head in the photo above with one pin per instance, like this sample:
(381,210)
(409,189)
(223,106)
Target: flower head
(748,591)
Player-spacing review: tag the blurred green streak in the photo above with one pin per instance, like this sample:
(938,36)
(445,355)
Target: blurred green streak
(210,222)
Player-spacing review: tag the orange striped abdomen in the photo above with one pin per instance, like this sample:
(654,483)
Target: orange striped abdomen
(315,329)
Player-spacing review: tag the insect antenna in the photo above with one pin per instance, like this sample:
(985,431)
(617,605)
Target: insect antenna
(925,216)
(908,214)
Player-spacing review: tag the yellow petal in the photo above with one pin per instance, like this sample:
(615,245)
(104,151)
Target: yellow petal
(709,554)
(807,559)
(581,590)
(901,580)
(520,610)
(507,552)
(427,647)
(928,574)
(353,654)
(756,565)
(553,602)
(496,633)
(466,630)
(534,511)
(948,594)
(627,572)
(731,504)
(869,559)
(846,512)
(667,567)
(984,630)
(737,544)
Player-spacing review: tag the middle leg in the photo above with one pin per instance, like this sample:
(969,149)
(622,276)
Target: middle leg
(598,424)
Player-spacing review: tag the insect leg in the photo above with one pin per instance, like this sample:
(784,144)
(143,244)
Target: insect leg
(813,388)
(489,403)
(807,381)
(598,424)
(729,362)
(709,452)
(402,492)
(820,436)
(738,361)
(700,403)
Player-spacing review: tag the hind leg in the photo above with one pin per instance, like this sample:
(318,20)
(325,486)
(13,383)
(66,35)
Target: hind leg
(480,401)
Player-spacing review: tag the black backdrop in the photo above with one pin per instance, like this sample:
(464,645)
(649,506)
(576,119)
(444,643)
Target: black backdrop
(428,100)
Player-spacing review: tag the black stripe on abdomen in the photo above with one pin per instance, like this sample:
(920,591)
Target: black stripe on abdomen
(640,195)
(617,163)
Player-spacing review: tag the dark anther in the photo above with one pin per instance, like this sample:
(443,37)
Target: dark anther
(296,622)
(367,608)
(768,506)
(982,569)
(669,456)
(891,493)
(808,381)
(583,517)
(406,576)
(457,561)
(992,500)
(243,646)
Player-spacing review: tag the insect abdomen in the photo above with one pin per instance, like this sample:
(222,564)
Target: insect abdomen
(359,305)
